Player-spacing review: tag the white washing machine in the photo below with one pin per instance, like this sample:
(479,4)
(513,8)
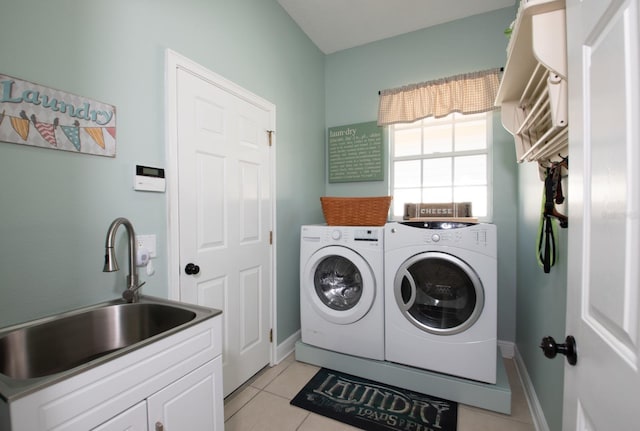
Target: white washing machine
(441,297)
(341,289)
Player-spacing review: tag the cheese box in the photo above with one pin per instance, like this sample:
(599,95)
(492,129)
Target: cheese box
(446,209)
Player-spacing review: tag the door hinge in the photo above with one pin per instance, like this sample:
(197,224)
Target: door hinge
(270,133)
(271,335)
(270,237)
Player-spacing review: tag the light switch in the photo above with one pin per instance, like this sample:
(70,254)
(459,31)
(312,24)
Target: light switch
(148,242)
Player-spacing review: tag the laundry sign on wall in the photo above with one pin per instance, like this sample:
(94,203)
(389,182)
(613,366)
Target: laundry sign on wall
(40,116)
(355,153)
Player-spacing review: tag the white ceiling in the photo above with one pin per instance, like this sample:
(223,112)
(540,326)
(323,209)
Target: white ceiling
(334,25)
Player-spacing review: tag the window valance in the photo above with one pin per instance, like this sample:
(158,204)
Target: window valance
(469,93)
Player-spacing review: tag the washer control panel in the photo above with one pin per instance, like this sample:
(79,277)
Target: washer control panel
(349,235)
(344,235)
(367,234)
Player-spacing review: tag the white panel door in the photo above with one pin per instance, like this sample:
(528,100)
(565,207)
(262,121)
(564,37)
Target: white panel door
(602,392)
(225,217)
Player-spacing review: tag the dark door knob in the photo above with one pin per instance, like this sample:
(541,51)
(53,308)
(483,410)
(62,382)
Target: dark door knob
(551,348)
(191,269)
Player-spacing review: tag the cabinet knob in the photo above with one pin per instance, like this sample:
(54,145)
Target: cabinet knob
(159,426)
(551,348)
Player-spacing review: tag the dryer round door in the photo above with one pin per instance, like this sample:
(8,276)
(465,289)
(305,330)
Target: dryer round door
(438,293)
(340,284)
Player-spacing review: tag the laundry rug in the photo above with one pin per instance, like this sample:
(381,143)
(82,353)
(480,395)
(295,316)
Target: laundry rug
(374,406)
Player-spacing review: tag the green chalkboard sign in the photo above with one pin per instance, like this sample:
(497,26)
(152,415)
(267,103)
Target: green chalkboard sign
(356,153)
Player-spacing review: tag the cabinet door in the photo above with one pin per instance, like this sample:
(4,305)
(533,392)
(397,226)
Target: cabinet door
(134,419)
(192,403)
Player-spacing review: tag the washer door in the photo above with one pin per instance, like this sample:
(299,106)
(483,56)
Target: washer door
(340,284)
(439,293)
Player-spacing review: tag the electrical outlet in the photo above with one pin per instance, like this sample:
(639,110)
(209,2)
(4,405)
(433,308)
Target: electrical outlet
(148,242)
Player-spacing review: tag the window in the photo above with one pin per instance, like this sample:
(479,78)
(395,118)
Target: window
(442,160)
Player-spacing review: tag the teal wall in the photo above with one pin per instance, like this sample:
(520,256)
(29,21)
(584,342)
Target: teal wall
(56,206)
(354,77)
(541,298)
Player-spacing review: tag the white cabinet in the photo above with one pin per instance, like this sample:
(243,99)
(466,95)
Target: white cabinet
(191,403)
(134,419)
(175,381)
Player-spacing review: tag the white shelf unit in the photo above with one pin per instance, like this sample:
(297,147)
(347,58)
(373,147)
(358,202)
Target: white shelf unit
(533,89)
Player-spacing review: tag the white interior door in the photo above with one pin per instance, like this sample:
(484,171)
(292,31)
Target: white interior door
(602,392)
(225,215)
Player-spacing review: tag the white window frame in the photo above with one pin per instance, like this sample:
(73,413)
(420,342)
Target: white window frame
(488,151)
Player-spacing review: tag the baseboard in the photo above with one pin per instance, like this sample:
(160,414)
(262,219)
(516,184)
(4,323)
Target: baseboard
(507,348)
(287,347)
(539,420)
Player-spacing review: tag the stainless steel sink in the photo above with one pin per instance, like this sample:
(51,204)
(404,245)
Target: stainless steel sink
(40,353)
(67,341)
(64,343)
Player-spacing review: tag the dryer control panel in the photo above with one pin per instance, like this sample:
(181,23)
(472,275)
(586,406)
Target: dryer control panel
(442,236)
(476,236)
(479,237)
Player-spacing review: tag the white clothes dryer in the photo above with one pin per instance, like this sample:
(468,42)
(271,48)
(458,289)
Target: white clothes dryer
(341,289)
(441,297)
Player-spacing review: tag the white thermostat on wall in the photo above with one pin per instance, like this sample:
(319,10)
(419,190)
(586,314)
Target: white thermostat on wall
(149,179)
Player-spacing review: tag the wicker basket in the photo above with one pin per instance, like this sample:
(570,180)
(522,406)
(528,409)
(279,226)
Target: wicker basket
(360,211)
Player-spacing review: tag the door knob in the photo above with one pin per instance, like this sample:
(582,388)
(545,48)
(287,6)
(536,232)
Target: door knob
(551,348)
(192,269)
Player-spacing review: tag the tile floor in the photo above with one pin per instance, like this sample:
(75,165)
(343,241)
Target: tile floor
(262,404)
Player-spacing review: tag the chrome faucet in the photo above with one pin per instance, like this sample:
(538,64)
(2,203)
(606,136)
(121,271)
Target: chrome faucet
(110,263)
